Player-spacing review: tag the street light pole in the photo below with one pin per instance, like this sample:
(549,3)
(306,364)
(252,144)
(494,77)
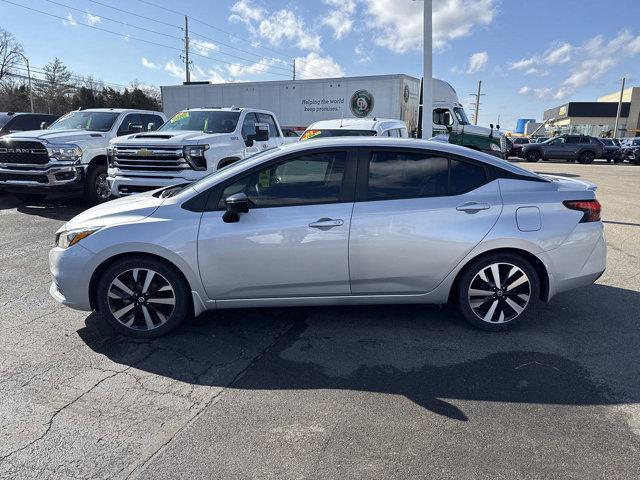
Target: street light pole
(26,61)
(615,128)
(427,92)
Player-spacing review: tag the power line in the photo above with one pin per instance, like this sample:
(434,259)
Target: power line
(136,14)
(129,37)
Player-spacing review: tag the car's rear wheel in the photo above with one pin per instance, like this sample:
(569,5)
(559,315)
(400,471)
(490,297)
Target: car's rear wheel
(497,291)
(533,156)
(586,157)
(143,297)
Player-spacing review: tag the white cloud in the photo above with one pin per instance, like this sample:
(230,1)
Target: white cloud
(92,19)
(556,54)
(126,37)
(148,64)
(362,55)
(524,89)
(340,17)
(275,26)
(478,61)
(257,68)
(398,23)
(203,47)
(174,70)
(314,65)
(70,21)
(541,93)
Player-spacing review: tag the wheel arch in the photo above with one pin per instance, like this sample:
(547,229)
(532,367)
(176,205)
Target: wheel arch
(227,161)
(102,267)
(538,265)
(97,159)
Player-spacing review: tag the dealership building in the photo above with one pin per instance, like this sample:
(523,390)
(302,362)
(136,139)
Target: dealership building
(597,118)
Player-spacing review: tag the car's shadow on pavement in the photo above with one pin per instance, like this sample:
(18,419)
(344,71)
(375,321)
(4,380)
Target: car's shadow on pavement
(54,208)
(427,354)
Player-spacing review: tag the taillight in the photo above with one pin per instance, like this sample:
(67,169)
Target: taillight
(590,208)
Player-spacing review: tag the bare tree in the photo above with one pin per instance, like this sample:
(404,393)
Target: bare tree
(10,53)
(55,87)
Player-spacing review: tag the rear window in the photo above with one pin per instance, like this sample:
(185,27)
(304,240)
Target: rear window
(338,132)
(465,177)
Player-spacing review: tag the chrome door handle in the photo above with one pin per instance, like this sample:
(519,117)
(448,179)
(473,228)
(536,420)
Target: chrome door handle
(473,207)
(326,223)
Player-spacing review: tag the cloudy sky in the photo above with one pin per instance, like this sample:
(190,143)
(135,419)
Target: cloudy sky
(530,55)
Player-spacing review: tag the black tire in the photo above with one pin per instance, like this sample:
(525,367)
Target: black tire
(96,188)
(586,157)
(533,156)
(164,316)
(30,198)
(497,304)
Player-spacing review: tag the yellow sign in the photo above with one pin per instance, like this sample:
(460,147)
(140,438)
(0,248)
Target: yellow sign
(179,116)
(310,134)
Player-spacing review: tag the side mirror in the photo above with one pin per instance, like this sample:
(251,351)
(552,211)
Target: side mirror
(236,204)
(491,125)
(134,128)
(151,127)
(447,118)
(44,125)
(497,127)
(261,134)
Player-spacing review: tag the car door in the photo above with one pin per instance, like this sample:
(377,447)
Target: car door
(571,147)
(294,239)
(555,148)
(417,215)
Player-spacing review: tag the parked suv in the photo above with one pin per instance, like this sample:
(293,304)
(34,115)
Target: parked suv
(581,148)
(71,155)
(12,122)
(611,150)
(630,151)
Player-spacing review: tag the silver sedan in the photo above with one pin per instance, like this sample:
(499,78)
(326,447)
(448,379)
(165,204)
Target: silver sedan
(335,222)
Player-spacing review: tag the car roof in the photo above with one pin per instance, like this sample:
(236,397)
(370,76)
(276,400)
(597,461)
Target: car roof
(15,114)
(226,109)
(357,123)
(370,142)
(117,110)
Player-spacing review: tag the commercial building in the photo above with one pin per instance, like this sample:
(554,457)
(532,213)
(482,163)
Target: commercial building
(597,118)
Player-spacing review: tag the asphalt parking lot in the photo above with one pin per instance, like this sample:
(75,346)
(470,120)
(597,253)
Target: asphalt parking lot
(374,392)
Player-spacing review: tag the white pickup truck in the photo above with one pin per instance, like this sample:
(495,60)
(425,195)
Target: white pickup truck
(70,155)
(192,144)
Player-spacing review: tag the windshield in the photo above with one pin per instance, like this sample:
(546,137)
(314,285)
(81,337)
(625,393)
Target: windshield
(461,115)
(338,132)
(203,121)
(92,121)
(4,119)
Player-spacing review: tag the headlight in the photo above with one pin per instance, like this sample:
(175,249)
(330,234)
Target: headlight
(67,238)
(65,153)
(194,155)
(494,147)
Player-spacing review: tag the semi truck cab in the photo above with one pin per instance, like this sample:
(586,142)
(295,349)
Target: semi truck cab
(192,144)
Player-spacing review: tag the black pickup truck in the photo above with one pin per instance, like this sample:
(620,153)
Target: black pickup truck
(11,122)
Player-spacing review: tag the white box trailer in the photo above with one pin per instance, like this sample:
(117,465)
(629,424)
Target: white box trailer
(299,103)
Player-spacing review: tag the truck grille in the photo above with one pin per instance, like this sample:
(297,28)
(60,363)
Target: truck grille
(503,144)
(145,159)
(23,152)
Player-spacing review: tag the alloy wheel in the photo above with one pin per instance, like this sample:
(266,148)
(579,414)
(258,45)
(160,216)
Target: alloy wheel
(141,299)
(499,293)
(101,185)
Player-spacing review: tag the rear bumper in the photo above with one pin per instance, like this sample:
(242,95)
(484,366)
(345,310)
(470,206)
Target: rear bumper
(579,261)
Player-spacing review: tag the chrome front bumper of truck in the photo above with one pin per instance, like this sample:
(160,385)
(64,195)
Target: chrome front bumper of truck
(50,175)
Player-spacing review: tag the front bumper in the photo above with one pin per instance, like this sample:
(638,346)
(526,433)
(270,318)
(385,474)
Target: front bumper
(45,177)
(122,185)
(71,269)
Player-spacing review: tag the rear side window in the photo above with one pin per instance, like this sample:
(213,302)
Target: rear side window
(405,175)
(585,140)
(572,140)
(394,175)
(465,176)
(22,123)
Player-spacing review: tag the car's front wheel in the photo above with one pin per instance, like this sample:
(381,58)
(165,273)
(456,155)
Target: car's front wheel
(142,297)
(96,188)
(497,291)
(533,156)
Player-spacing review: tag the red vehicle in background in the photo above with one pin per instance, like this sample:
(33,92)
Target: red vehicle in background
(516,146)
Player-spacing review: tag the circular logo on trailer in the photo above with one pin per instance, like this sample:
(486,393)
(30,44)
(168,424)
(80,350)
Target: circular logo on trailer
(361,103)
(405,94)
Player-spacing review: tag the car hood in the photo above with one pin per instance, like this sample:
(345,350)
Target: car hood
(58,136)
(121,210)
(170,138)
(483,131)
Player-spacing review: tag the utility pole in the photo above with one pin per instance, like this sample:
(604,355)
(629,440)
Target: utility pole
(26,61)
(615,128)
(427,90)
(294,68)
(477,107)
(186,48)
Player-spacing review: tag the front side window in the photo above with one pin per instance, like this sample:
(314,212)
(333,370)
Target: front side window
(268,119)
(461,115)
(441,116)
(129,122)
(303,180)
(91,121)
(249,125)
(406,175)
(573,140)
(214,121)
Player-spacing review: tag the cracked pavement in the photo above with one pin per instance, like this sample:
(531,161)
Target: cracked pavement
(375,392)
